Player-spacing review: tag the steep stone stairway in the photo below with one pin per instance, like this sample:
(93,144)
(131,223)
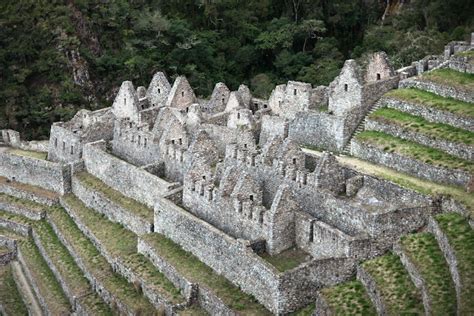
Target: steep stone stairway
(419,276)
(361,127)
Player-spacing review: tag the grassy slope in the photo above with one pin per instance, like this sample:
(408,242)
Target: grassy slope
(460,80)
(349,298)
(396,289)
(28,153)
(424,252)
(10,297)
(410,149)
(123,243)
(461,239)
(419,125)
(434,101)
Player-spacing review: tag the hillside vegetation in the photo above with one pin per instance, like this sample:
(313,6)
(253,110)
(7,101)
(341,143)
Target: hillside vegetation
(59,56)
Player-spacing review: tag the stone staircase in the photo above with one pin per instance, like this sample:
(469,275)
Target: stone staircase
(361,127)
(429,272)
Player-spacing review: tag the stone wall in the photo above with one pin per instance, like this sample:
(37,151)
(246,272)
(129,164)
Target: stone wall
(444,91)
(128,179)
(401,163)
(45,174)
(279,292)
(430,114)
(21,229)
(149,290)
(372,290)
(27,195)
(456,149)
(12,138)
(19,209)
(273,126)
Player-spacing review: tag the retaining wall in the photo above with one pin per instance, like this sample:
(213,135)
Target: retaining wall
(126,178)
(113,211)
(45,174)
(431,114)
(441,90)
(234,259)
(408,165)
(460,150)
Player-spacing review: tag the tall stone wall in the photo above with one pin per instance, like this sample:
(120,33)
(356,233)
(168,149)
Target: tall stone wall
(45,174)
(126,178)
(280,292)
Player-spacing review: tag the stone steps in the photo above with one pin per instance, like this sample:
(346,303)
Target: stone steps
(456,240)
(389,286)
(424,261)
(121,295)
(119,247)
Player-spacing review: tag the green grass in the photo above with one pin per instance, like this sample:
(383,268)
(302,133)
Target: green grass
(349,298)
(97,264)
(30,205)
(45,279)
(419,125)
(115,196)
(414,150)
(424,253)
(10,297)
(15,218)
(68,269)
(468,53)
(122,243)
(28,188)
(286,260)
(27,153)
(461,238)
(193,269)
(449,77)
(399,294)
(305,311)
(431,100)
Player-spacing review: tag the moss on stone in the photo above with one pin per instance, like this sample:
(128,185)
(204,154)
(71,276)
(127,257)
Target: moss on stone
(423,251)
(395,286)
(461,238)
(349,298)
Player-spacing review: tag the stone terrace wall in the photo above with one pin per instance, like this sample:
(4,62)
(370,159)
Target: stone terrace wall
(430,114)
(126,178)
(45,174)
(456,149)
(279,292)
(27,195)
(409,165)
(444,91)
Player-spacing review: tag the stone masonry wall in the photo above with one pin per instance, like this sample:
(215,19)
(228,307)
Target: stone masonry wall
(279,292)
(27,195)
(129,180)
(456,149)
(409,165)
(113,211)
(430,114)
(444,91)
(48,175)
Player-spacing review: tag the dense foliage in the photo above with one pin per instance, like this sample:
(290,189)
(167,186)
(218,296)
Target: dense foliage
(258,42)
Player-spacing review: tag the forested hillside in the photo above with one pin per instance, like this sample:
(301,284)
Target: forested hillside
(59,56)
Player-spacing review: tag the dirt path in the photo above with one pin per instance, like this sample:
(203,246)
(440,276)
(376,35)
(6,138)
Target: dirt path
(25,290)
